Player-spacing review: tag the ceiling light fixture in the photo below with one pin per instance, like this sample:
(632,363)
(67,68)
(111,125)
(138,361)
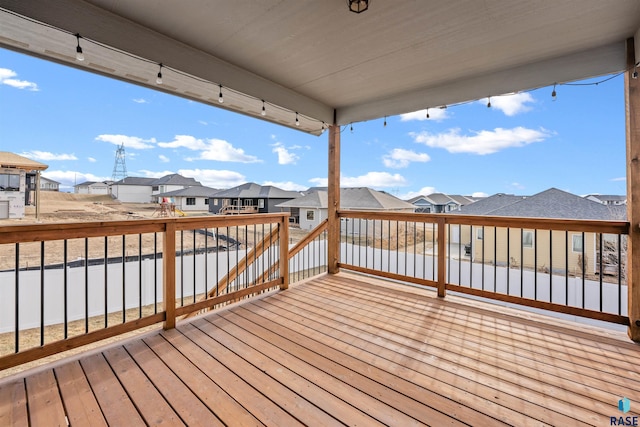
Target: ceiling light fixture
(220,98)
(358,6)
(159,79)
(489,102)
(554,94)
(427,113)
(297,121)
(263,112)
(79,54)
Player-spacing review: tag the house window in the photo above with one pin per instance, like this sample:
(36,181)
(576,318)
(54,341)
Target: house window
(9,182)
(215,202)
(527,239)
(577,243)
(191,201)
(480,233)
(261,203)
(310,215)
(206,201)
(154,188)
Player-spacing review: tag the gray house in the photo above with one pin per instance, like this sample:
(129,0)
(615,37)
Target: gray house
(250,198)
(313,207)
(194,198)
(439,203)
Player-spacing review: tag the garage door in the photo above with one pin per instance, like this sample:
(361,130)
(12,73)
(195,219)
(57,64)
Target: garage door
(4,209)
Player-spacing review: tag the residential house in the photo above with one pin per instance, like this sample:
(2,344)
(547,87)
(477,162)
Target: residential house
(146,190)
(169,183)
(194,198)
(250,198)
(313,207)
(91,187)
(608,199)
(439,203)
(16,173)
(47,184)
(557,250)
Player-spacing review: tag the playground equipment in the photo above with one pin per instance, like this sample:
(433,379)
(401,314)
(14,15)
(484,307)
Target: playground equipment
(168,208)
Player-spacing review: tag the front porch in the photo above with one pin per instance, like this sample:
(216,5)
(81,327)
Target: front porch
(341,349)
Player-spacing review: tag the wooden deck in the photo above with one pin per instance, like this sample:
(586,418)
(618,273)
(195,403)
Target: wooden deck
(345,349)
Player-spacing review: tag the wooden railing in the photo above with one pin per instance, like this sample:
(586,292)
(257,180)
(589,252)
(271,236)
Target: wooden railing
(70,284)
(574,267)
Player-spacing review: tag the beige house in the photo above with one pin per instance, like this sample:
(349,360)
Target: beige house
(543,250)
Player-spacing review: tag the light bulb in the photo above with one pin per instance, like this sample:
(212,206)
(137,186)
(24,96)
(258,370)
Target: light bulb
(427,113)
(297,121)
(159,79)
(553,94)
(263,112)
(79,54)
(489,102)
(220,98)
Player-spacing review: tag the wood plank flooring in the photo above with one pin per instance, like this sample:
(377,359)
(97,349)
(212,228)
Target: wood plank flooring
(341,350)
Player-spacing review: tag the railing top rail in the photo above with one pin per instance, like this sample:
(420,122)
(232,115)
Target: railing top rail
(71,230)
(597,226)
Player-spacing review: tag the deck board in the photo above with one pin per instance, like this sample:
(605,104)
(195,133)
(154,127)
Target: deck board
(341,350)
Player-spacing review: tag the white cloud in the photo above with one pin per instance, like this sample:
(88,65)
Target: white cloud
(517,186)
(91,160)
(483,142)
(215,178)
(371,179)
(479,194)
(400,158)
(129,141)
(436,114)
(6,78)
(286,185)
(622,178)
(285,157)
(47,156)
(140,101)
(511,104)
(163,158)
(424,191)
(210,149)
(70,178)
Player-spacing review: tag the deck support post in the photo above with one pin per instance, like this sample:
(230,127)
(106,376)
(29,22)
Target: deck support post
(169,275)
(632,113)
(442,257)
(333,198)
(283,231)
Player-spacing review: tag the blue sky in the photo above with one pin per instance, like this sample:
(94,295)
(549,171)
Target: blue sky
(73,121)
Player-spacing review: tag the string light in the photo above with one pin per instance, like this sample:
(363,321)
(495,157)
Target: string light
(264,112)
(79,54)
(634,75)
(80,57)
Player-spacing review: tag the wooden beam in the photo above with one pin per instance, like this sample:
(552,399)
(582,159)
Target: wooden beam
(333,195)
(169,274)
(632,113)
(442,257)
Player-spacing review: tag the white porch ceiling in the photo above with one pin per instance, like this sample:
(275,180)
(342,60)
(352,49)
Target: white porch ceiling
(317,58)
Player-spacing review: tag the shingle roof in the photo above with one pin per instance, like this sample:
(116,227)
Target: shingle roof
(195,191)
(461,200)
(351,198)
(251,190)
(134,180)
(12,160)
(439,199)
(551,203)
(175,179)
(489,204)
